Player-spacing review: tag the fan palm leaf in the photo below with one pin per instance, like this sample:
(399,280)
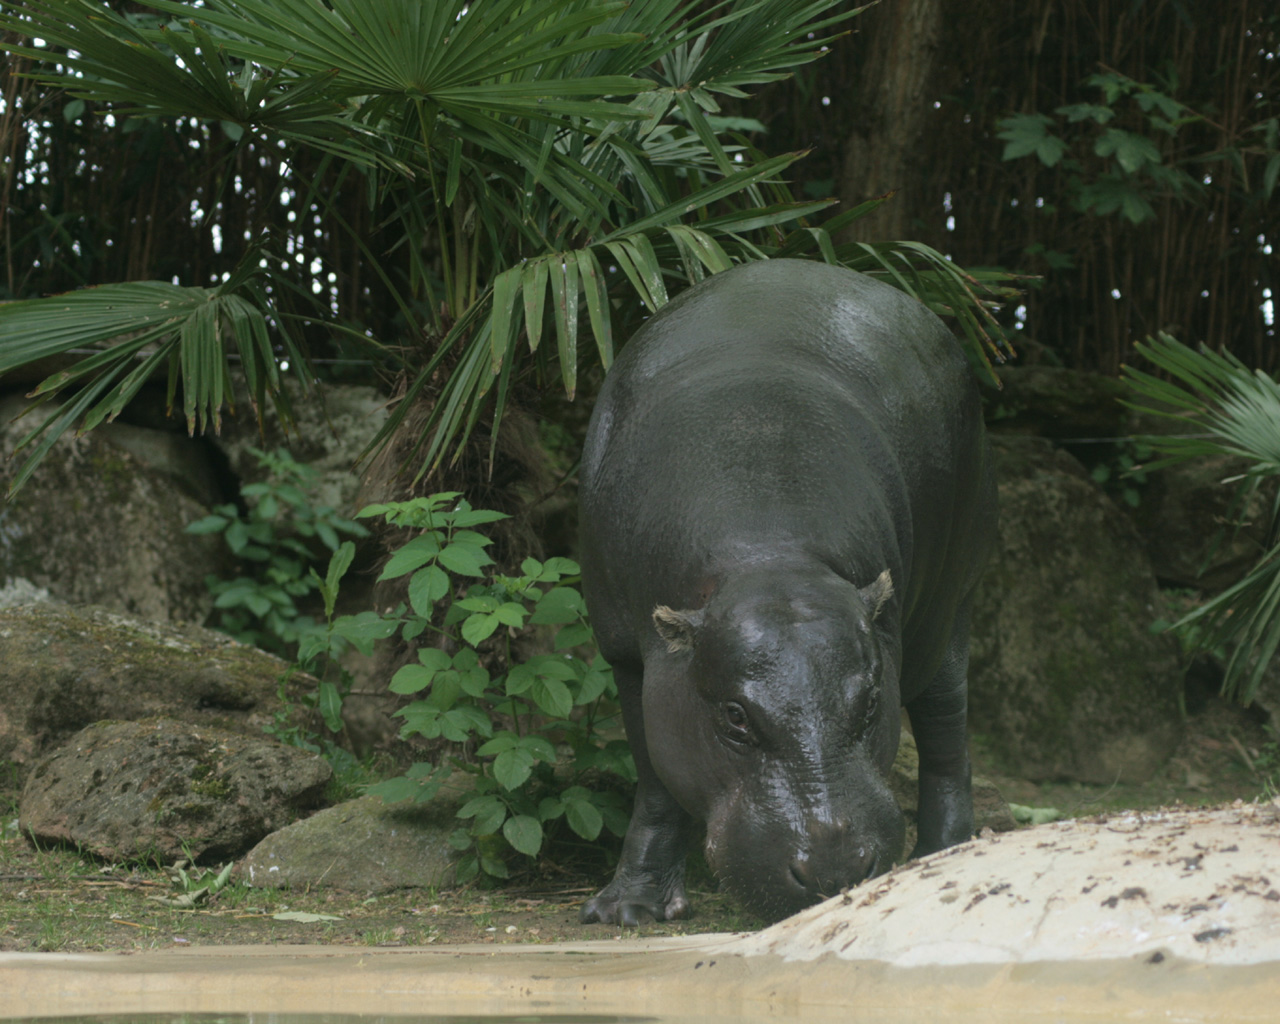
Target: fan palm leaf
(1223,408)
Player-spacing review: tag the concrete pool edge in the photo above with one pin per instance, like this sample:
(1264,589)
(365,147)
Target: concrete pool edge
(675,979)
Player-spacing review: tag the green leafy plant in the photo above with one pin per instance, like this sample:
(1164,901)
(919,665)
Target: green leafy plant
(1111,148)
(1267,766)
(1222,408)
(277,539)
(195,885)
(529,728)
(1125,473)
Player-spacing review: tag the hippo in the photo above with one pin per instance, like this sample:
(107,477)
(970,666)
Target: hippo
(786,501)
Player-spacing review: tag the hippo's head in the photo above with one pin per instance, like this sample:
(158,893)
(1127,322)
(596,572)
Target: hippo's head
(773,716)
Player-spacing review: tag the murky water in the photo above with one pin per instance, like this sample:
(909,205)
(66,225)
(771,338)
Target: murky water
(335,1018)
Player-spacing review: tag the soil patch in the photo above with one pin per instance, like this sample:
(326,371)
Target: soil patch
(56,900)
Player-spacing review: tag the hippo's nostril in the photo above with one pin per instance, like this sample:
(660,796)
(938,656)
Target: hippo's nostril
(798,874)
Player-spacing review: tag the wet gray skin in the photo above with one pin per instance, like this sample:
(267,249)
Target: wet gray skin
(786,501)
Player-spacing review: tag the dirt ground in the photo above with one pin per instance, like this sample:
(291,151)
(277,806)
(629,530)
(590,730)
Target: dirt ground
(56,900)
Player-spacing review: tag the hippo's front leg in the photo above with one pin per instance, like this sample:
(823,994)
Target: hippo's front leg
(938,723)
(649,882)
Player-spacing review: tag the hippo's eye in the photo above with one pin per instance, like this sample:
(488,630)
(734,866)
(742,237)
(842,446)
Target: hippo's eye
(736,721)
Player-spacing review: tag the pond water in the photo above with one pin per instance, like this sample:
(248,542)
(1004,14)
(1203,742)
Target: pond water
(336,1018)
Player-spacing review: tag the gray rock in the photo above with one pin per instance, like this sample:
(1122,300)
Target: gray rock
(333,429)
(97,525)
(1058,403)
(184,459)
(359,846)
(1194,535)
(18,591)
(159,788)
(1066,678)
(63,668)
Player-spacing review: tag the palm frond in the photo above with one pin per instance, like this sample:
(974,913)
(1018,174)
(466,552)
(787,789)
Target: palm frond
(1223,408)
(131,332)
(512,152)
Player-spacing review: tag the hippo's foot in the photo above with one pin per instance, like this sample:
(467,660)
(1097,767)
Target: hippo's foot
(631,901)
(945,817)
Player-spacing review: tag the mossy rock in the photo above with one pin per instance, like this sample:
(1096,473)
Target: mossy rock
(159,789)
(62,668)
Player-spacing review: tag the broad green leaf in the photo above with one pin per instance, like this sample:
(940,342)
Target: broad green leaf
(519,679)
(594,684)
(364,629)
(510,614)
(584,818)
(478,517)
(209,524)
(338,566)
(420,718)
(493,866)
(395,791)
(488,811)
(524,833)
(330,704)
(426,587)
(464,559)
(539,747)
(479,627)
(413,555)
(411,679)
(549,808)
(433,659)
(573,635)
(512,768)
(503,741)
(558,605)
(471,720)
(552,697)
(1132,152)
(552,666)
(446,688)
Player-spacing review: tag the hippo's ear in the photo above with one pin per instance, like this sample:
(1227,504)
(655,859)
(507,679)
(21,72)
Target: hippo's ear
(678,629)
(877,593)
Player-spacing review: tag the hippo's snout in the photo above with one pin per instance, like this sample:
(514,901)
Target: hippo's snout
(820,878)
(779,872)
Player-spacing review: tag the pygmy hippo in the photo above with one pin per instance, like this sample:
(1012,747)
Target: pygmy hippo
(786,501)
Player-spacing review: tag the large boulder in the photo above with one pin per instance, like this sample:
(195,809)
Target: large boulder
(1058,403)
(64,668)
(160,789)
(1198,534)
(332,428)
(1067,680)
(98,524)
(361,845)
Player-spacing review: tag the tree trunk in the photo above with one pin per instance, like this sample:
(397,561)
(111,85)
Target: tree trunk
(893,113)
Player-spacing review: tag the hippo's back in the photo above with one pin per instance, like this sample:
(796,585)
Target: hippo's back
(782,407)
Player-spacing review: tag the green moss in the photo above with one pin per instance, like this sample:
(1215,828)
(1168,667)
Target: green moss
(114,471)
(213,787)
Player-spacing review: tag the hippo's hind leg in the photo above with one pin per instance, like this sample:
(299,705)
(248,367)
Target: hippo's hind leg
(938,723)
(649,882)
